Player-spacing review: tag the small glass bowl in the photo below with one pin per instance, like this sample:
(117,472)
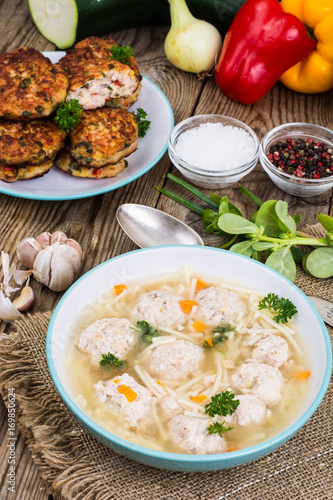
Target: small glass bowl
(211,178)
(289,183)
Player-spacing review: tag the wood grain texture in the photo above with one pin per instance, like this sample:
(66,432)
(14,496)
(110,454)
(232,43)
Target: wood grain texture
(92,221)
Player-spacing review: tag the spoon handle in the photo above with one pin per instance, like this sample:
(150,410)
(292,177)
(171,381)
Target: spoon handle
(324,307)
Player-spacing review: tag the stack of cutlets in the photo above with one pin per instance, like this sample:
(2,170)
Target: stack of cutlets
(105,88)
(31,88)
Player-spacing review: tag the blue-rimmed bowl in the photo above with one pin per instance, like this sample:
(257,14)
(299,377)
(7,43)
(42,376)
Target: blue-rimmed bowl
(206,261)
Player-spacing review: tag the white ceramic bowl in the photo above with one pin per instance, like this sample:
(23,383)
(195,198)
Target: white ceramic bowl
(205,261)
(304,188)
(211,178)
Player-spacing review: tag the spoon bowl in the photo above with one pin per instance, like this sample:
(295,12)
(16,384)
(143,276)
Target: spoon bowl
(149,227)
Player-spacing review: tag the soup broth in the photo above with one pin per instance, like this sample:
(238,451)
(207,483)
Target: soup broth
(186,339)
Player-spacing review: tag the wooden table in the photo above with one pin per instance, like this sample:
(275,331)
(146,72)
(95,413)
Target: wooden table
(92,221)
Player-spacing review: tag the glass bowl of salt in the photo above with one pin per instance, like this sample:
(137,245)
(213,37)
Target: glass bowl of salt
(213,151)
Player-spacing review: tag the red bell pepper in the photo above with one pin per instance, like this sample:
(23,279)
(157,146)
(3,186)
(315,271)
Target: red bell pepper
(260,45)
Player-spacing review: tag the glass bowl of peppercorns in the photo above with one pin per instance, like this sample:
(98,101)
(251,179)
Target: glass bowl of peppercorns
(298,157)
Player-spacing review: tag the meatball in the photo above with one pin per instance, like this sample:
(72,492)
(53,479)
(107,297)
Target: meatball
(159,309)
(264,381)
(170,406)
(191,434)
(128,399)
(66,163)
(107,335)
(251,410)
(30,85)
(176,360)
(272,350)
(97,80)
(217,306)
(104,136)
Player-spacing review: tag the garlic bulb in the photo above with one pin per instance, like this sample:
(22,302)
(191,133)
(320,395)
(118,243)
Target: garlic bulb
(191,44)
(54,259)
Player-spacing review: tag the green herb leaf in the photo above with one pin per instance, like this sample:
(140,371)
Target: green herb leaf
(222,404)
(217,428)
(235,224)
(319,263)
(110,360)
(68,115)
(146,330)
(243,248)
(267,217)
(26,82)
(143,125)
(283,262)
(121,53)
(285,221)
(284,308)
(326,221)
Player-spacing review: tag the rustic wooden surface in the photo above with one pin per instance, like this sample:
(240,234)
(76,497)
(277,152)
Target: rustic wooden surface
(92,221)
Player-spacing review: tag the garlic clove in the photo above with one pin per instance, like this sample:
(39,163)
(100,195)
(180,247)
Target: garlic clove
(20,276)
(27,250)
(62,268)
(26,299)
(74,244)
(44,239)
(58,236)
(8,311)
(42,265)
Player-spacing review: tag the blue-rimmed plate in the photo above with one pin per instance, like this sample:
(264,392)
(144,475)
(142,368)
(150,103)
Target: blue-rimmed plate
(57,185)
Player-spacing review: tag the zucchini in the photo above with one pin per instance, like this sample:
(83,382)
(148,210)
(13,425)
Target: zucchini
(64,21)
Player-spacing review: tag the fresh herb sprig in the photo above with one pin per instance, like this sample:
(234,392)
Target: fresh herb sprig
(218,428)
(146,330)
(222,404)
(220,337)
(121,53)
(68,115)
(269,235)
(284,308)
(110,360)
(143,125)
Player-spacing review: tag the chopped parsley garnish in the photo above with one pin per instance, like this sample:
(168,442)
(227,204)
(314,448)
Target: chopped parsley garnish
(26,82)
(110,360)
(218,428)
(68,115)
(220,337)
(121,53)
(26,113)
(222,404)
(85,86)
(143,125)
(284,308)
(146,330)
(39,109)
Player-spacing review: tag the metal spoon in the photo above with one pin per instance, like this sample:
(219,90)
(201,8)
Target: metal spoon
(149,227)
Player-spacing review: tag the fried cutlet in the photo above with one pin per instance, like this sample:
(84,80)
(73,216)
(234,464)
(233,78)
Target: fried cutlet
(29,143)
(97,80)
(67,163)
(30,85)
(15,173)
(104,135)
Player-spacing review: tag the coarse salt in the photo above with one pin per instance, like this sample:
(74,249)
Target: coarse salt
(217,147)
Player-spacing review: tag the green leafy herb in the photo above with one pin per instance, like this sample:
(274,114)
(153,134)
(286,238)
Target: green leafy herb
(39,109)
(143,125)
(121,53)
(284,308)
(26,82)
(218,428)
(146,330)
(220,337)
(222,404)
(26,113)
(85,86)
(110,360)
(68,115)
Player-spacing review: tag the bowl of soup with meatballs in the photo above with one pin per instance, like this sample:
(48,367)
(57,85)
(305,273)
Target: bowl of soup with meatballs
(188,358)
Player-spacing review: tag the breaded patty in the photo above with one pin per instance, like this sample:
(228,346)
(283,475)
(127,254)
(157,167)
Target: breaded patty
(15,173)
(30,85)
(97,80)
(104,136)
(29,143)
(66,163)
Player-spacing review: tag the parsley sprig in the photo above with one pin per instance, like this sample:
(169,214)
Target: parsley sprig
(143,125)
(121,53)
(218,428)
(68,115)
(110,360)
(220,337)
(284,308)
(146,330)
(222,404)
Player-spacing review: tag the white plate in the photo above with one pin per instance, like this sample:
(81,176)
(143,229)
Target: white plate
(56,185)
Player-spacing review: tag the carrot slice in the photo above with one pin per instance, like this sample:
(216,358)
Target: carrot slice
(200,284)
(198,399)
(210,342)
(119,288)
(129,394)
(199,326)
(158,382)
(187,305)
(301,375)
(116,380)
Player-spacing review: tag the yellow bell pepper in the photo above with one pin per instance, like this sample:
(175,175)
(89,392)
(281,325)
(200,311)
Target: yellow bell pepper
(315,72)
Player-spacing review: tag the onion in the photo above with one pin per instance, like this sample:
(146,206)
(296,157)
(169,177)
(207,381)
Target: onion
(191,44)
